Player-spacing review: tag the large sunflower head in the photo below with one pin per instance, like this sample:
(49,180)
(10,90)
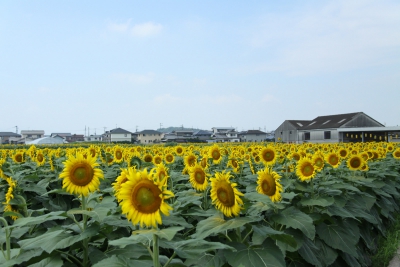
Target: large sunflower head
(224,194)
(355,162)
(18,157)
(169,158)
(198,177)
(190,160)
(157,159)
(305,169)
(215,153)
(396,153)
(179,150)
(268,155)
(143,197)
(40,159)
(333,159)
(80,175)
(318,161)
(268,184)
(118,154)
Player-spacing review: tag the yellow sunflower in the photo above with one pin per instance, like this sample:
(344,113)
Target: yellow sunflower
(40,159)
(179,150)
(225,195)
(234,163)
(214,152)
(318,161)
(268,184)
(122,178)
(18,157)
(333,159)
(190,160)
(157,159)
(343,153)
(148,158)
(396,153)
(80,175)
(143,197)
(305,169)
(118,154)
(169,158)
(198,177)
(268,155)
(161,171)
(355,162)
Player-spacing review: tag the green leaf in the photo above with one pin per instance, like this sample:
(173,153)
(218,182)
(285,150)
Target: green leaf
(208,260)
(23,256)
(167,233)
(323,201)
(119,261)
(326,254)
(12,213)
(39,219)
(175,220)
(261,232)
(309,251)
(338,211)
(52,261)
(296,219)
(266,255)
(194,248)
(339,236)
(216,224)
(126,241)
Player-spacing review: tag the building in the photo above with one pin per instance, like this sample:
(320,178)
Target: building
(47,140)
(148,137)
(77,138)
(30,135)
(224,134)
(9,137)
(93,138)
(252,136)
(350,127)
(202,135)
(65,136)
(117,135)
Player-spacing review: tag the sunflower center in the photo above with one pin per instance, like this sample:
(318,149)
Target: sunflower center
(169,158)
(93,152)
(191,161)
(82,174)
(308,170)
(343,153)
(268,186)
(199,177)
(118,155)
(40,157)
(296,157)
(148,158)
(268,155)
(318,163)
(179,150)
(216,155)
(146,197)
(18,158)
(226,195)
(234,164)
(203,162)
(355,163)
(158,160)
(397,153)
(333,160)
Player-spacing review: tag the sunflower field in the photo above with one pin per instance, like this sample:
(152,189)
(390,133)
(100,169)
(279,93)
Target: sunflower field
(242,204)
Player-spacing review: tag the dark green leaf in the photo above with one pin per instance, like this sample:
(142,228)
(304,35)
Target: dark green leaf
(296,219)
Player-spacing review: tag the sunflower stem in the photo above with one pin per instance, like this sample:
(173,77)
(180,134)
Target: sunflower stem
(247,235)
(8,234)
(170,259)
(156,261)
(85,241)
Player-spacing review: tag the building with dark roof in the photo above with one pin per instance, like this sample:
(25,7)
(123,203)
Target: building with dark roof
(252,136)
(117,135)
(9,137)
(327,129)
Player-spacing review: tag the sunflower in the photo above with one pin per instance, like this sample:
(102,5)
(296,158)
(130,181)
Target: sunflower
(355,162)
(204,163)
(92,150)
(333,159)
(198,177)
(118,154)
(224,194)
(305,169)
(18,157)
(148,157)
(169,158)
(318,161)
(190,160)
(179,150)
(343,153)
(234,163)
(161,171)
(143,198)
(396,153)
(296,156)
(40,159)
(215,153)
(268,155)
(157,159)
(10,192)
(268,184)
(80,175)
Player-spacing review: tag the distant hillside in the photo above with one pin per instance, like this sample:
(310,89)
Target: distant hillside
(170,129)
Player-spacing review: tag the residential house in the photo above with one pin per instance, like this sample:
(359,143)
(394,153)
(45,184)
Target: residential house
(350,127)
(65,136)
(117,135)
(253,136)
(224,134)
(9,137)
(202,135)
(77,138)
(93,138)
(30,135)
(149,137)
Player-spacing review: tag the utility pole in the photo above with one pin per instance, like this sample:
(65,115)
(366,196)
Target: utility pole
(88,129)
(16,129)
(136,128)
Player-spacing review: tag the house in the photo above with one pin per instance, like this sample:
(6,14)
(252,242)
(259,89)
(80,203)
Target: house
(202,135)
(224,134)
(30,135)
(350,127)
(253,136)
(65,136)
(93,138)
(9,137)
(77,138)
(148,137)
(117,135)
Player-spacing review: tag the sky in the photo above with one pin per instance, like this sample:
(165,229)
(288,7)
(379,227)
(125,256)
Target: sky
(67,65)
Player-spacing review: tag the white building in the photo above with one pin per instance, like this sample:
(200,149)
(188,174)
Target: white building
(117,135)
(94,138)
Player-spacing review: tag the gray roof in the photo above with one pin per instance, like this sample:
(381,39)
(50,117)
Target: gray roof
(119,131)
(149,132)
(330,121)
(202,132)
(255,132)
(47,140)
(9,134)
(299,124)
(61,134)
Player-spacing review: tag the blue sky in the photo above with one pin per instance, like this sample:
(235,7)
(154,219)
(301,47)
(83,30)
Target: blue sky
(65,65)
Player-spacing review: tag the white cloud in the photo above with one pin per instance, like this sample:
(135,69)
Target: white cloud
(341,35)
(135,78)
(146,29)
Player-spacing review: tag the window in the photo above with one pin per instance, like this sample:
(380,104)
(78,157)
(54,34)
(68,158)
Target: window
(327,135)
(307,136)
(125,135)
(290,132)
